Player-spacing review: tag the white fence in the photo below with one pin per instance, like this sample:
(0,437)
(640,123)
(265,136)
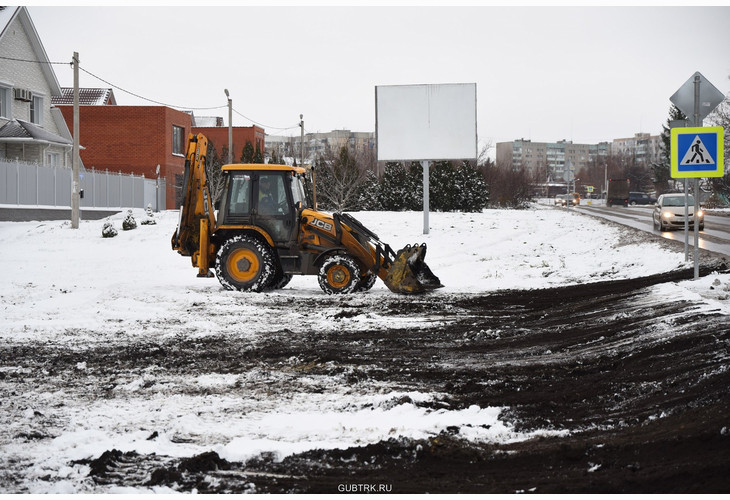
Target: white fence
(26,184)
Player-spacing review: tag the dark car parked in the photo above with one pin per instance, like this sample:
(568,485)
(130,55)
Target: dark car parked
(636,198)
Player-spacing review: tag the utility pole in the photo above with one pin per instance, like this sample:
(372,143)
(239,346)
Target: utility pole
(301,141)
(75,154)
(230,127)
(301,156)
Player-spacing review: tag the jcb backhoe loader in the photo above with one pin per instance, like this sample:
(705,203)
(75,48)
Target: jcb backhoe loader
(267,231)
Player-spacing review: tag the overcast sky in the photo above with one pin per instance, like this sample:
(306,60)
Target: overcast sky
(580,73)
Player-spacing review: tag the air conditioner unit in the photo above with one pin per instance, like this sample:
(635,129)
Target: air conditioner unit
(23,94)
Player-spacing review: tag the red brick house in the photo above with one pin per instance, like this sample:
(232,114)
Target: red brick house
(241,135)
(135,139)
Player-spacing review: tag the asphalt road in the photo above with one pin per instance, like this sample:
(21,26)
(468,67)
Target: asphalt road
(714,238)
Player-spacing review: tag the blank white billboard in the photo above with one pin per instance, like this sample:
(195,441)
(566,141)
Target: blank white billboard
(426,122)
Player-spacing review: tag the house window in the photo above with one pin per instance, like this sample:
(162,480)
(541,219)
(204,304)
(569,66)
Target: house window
(5,102)
(178,148)
(36,110)
(53,159)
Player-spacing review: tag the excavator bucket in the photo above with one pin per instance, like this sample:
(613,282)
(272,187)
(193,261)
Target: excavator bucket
(409,273)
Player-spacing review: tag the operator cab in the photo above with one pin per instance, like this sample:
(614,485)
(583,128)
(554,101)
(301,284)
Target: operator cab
(269,196)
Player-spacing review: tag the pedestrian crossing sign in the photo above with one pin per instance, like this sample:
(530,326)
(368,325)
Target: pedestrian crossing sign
(697,152)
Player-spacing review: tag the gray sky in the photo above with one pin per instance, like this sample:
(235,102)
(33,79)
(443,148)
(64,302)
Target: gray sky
(586,74)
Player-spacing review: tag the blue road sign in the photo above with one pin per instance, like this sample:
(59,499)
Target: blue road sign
(697,152)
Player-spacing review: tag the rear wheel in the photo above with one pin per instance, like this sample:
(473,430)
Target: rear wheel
(339,274)
(280,280)
(245,263)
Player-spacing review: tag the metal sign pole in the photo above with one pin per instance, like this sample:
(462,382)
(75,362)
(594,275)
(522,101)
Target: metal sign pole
(425,165)
(698,123)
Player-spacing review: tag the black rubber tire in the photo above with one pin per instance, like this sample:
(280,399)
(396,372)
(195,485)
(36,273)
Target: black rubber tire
(339,274)
(245,263)
(279,281)
(367,282)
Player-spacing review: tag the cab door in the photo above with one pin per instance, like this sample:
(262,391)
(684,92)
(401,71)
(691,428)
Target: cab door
(273,208)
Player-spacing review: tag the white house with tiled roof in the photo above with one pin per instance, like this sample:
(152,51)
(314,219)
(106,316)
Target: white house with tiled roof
(31,129)
(87,97)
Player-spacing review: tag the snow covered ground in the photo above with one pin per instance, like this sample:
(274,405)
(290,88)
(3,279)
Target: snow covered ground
(75,289)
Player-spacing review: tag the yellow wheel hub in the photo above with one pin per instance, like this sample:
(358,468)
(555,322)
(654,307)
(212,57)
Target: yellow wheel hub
(338,276)
(243,265)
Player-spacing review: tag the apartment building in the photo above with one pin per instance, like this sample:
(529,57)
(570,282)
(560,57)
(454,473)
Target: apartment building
(645,148)
(551,160)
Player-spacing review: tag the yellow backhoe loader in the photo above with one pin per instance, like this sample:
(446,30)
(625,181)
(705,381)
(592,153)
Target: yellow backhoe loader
(267,231)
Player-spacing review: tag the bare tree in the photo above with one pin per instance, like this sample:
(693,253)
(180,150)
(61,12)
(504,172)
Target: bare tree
(214,173)
(340,179)
(508,187)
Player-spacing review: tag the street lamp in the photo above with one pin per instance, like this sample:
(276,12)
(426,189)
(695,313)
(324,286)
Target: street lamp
(230,127)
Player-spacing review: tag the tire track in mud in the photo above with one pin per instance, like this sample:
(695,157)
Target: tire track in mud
(639,381)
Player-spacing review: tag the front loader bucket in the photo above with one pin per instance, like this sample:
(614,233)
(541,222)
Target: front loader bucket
(409,273)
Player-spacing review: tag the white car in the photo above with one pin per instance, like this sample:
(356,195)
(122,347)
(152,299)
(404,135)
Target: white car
(669,212)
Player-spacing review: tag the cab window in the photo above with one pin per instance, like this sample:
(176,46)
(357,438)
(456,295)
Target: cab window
(240,195)
(272,195)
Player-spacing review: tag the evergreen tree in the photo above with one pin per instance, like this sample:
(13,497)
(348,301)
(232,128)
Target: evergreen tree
(248,153)
(472,192)
(394,187)
(258,157)
(442,187)
(662,169)
(369,194)
(414,187)
(720,117)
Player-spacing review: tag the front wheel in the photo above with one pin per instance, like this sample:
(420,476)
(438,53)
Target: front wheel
(245,263)
(339,274)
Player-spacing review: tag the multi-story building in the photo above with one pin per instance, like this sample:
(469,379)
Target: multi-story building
(319,144)
(644,148)
(549,161)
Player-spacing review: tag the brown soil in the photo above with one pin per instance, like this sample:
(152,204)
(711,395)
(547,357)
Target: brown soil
(641,386)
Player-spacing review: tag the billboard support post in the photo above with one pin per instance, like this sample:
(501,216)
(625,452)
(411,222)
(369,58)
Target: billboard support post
(425,164)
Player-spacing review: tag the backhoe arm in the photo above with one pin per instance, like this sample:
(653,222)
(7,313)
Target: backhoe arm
(197,217)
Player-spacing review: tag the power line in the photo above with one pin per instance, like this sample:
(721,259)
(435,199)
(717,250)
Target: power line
(145,98)
(32,61)
(262,125)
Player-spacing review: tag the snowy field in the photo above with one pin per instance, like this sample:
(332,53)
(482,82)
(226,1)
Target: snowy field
(73,288)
